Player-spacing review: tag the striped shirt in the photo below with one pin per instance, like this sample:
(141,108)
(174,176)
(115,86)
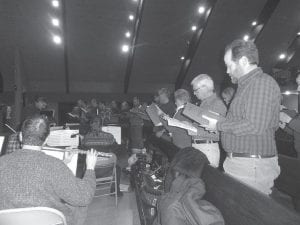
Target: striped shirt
(253,116)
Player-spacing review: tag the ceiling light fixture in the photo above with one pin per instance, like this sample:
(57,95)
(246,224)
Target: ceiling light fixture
(282,56)
(194,28)
(254,23)
(128,34)
(131,17)
(298,33)
(182,57)
(246,37)
(55,22)
(201,9)
(125,48)
(55,3)
(57,39)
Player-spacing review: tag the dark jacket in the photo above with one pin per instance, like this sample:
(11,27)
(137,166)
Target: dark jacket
(183,205)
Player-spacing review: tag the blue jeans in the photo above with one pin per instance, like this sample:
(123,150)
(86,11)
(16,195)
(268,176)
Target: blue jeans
(257,173)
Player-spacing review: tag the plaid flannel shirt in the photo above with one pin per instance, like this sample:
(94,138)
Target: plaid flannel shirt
(253,116)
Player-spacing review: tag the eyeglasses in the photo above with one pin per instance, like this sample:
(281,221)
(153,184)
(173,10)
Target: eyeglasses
(196,90)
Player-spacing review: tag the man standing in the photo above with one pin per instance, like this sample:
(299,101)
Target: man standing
(248,132)
(205,141)
(30,178)
(35,108)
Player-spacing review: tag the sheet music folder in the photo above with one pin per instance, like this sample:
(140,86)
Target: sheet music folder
(60,138)
(196,113)
(152,111)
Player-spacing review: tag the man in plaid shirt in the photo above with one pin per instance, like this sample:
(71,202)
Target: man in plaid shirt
(248,132)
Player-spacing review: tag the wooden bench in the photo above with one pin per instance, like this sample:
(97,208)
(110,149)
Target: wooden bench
(288,181)
(242,205)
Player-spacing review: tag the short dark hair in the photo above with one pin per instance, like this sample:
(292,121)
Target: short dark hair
(240,48)
(35,130)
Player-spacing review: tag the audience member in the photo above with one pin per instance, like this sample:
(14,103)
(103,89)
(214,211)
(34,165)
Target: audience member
(31,178)
(205,141)
(248,132)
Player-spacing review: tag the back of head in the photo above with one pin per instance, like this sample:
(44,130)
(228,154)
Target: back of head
(240,48)
(190,163)
(229,91)
(182,95)
(35,131)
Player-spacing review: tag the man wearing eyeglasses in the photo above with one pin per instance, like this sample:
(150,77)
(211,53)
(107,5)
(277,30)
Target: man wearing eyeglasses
(205,141)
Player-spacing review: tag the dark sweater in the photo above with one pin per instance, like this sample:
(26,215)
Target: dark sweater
(31,178)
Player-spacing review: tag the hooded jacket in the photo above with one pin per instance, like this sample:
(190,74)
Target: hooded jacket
(182,203)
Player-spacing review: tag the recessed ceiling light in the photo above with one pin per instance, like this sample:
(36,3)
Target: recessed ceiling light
(282,56)
(201,9)
(254,23)
(55,22)
(246,37)
(125,48)
(55,3)
(128,34)
(57,39)
(131,17)
(182,57)
(194,28)
(298,33)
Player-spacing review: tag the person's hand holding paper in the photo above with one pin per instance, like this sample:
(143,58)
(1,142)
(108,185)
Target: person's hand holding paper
(284,118)
(212,125)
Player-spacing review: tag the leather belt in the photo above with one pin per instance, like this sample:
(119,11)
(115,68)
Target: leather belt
(196,141)
(248,155)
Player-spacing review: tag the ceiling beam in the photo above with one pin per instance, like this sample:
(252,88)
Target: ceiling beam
(290,52)
(65,46)
(135,34)
(193,44)
(263,18)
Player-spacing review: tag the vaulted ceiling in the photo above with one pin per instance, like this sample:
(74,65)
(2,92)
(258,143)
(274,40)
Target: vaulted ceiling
(90,57)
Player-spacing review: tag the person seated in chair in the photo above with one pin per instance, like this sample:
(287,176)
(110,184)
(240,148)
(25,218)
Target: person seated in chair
(30,178)
(102,142)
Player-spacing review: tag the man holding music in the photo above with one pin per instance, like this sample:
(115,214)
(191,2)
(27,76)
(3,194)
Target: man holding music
(205,141)
(248,132)
(30,178)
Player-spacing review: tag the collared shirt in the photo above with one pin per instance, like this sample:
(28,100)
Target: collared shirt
(13,143)
(215,104)
(253,116)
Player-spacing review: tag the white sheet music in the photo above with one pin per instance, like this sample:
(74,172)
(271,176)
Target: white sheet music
(180,124)
(63,138)
(2,138)
(115,131)
(60,155)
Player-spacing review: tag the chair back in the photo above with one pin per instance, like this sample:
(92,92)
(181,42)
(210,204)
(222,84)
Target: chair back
(32,216)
